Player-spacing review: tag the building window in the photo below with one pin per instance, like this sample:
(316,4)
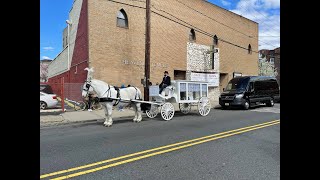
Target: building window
(215,40)
(272,60)
(192,35)
(249,49)
(122,19)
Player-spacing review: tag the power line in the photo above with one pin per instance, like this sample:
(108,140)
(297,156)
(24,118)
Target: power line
(275,25)
(197,29)
(213,19)
(257,12)
(127,4)
(206,33)
(180,19)
(222,23)
(270,36)
(139,1)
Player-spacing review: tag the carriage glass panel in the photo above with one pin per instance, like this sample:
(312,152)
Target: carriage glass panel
(183,89)
(204,89)
(190,91)
(196,91)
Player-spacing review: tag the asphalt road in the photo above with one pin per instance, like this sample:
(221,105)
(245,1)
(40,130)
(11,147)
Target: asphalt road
(254,154)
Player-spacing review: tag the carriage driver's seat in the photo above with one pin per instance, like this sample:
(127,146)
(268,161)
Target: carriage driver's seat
(167,92)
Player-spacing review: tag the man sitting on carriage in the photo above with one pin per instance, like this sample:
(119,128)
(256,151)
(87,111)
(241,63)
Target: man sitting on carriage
(166,81)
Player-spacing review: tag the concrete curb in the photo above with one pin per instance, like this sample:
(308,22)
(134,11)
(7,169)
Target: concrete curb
(84,116)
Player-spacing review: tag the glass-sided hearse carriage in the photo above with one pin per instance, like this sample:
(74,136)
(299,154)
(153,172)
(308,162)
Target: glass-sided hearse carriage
(185,93)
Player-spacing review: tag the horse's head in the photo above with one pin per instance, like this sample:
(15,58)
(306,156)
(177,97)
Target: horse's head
(86,88)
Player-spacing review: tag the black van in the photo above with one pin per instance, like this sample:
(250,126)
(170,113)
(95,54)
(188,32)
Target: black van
(248,91)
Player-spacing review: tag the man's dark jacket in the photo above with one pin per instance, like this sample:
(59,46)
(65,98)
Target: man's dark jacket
(166,80)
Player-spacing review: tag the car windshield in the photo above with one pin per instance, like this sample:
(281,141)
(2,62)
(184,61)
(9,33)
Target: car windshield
(46,89)
(238,84)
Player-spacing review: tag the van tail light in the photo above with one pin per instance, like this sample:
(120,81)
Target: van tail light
(54,97)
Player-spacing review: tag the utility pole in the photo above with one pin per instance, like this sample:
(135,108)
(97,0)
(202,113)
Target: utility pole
(212,56)
(147,53)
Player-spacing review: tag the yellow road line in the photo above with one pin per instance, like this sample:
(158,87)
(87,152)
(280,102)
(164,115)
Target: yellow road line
(146,151)
(157,153)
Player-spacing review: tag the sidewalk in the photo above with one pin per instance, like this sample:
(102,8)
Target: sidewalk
(60,117)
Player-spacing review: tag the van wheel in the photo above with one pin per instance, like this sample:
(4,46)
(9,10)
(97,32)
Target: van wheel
(270,103)
(246,105)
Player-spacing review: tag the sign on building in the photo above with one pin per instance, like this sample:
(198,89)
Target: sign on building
(211,78)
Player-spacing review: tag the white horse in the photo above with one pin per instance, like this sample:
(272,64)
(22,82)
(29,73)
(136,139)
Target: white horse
(105,92)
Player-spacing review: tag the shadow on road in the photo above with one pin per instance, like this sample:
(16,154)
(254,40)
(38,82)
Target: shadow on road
(239,108)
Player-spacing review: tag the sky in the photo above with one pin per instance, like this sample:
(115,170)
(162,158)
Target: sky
(54,13)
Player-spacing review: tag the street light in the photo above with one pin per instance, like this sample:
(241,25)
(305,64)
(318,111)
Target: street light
(69,23)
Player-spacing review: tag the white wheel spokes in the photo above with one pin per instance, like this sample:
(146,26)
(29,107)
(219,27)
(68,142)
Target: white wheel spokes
(153,112)
(167,111)
(185,108)
(204,106)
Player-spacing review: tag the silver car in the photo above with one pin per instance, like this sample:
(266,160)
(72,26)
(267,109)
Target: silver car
(47,100)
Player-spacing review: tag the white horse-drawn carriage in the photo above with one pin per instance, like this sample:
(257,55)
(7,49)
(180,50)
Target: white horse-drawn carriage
(185,93)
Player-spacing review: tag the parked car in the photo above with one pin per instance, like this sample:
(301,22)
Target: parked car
(47,100)
(249,91)
(46,88)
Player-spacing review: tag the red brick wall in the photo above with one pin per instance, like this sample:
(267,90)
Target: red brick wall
(80,57)
(80,53)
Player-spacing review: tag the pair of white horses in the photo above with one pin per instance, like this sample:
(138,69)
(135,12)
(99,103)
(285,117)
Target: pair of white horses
(109,93)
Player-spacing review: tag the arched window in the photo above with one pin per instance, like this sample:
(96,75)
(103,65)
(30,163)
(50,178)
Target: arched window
(249,49)
(122,19)
(215,40)
(192,35)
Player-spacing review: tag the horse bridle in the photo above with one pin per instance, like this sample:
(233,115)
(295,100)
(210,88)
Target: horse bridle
(88,85)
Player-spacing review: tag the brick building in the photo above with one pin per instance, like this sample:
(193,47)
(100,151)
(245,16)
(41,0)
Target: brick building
(110,36)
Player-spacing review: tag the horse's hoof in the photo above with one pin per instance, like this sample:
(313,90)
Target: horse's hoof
(107,124)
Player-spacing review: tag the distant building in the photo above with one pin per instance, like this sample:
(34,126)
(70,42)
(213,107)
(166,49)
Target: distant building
(269,63)
(44,69)
(277,62)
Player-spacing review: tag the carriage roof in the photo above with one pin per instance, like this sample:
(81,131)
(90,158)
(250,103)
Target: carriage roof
(188,81)
(176,82)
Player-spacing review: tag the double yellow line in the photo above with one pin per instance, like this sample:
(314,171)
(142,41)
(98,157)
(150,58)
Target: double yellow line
(175,146)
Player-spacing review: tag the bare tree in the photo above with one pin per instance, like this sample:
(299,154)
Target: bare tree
(267,69)
(44,72)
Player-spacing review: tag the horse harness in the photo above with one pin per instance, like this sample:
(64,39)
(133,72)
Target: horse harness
(109,99)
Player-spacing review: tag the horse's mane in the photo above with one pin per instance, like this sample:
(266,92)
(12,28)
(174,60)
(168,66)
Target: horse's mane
(102,82)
